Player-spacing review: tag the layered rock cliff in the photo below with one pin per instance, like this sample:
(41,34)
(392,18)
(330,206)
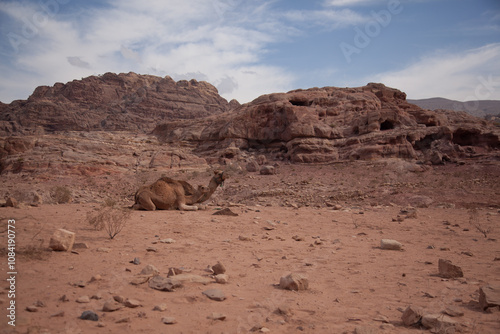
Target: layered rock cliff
(330,124)
(129,102)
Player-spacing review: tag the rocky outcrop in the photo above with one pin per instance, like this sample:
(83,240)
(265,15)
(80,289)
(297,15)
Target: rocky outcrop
(111,102)
(329,124)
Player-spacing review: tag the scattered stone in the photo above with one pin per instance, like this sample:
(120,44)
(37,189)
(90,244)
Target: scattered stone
(101,324)
(449,270)
(39,303)
(152,249)
(132,303)
(298,238)
(283,310)
(103,250)
(111,306)
(225,212)
(453,311)
(438,321)
(218,268)
(123,320)
(83,299)
(174,271)
(162,307)
(215,294)
(97,296)
(412,316)
(217,316)
(95,278)
(62,240)
(294,281)
(222,278)
(57,314)
(489,296)
(80,245)
(390,244)
(252,166)
(138,280)
(468,253)
(190,278)
(32,308)
(119,299)
(167,241)
(136,261)
(164,284)
(64,298)
(11,202)
(149,270)
(267,170)
(169,320)
(244,238)
(89,315)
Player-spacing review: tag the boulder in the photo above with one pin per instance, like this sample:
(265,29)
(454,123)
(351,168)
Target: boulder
(149,270)
(218,268)
(390,244)
(449,270)
(412,316)
(438,321)
(62,240)
(294,281)
(489,296)
(11,202)
(267,170)
(215,294)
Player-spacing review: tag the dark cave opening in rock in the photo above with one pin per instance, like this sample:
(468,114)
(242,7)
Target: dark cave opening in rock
(386,125)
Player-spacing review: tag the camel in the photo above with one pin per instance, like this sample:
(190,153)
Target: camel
(169,194)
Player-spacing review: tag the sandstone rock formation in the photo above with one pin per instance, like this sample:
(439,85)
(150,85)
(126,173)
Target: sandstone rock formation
(330,124)
(110,102)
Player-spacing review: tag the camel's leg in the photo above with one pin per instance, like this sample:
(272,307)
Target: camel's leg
(144,202)
(185,207)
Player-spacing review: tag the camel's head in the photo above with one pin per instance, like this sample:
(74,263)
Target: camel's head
(219,177)
(203,189)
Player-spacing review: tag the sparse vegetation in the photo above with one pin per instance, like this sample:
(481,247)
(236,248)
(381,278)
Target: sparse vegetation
(109,218)
(474,221)
(61,195)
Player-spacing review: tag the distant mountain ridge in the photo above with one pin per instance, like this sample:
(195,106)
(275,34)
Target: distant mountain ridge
(481,108)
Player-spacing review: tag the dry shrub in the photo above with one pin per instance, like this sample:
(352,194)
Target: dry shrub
(475,221)
(61,195)
(109,218)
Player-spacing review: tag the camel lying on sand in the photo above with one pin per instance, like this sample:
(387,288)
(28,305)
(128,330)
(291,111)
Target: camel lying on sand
(169,194)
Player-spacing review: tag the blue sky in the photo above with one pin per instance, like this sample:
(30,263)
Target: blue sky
(426,48)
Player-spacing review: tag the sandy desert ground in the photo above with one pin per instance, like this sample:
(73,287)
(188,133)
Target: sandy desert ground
(325,222)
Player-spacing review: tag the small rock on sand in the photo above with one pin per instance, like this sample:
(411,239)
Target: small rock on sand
(215,294)
(295,282)
(449,270)
(390,244)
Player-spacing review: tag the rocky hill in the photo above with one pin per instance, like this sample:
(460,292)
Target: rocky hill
(330,124)
(129,102)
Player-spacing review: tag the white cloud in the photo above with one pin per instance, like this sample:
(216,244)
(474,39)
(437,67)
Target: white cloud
(347,3)
(218,41)
(469,75)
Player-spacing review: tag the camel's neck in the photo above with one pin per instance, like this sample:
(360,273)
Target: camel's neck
(212,186)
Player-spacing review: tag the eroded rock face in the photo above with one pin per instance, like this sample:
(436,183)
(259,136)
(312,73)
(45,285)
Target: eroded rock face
(329,124)
(110,102)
